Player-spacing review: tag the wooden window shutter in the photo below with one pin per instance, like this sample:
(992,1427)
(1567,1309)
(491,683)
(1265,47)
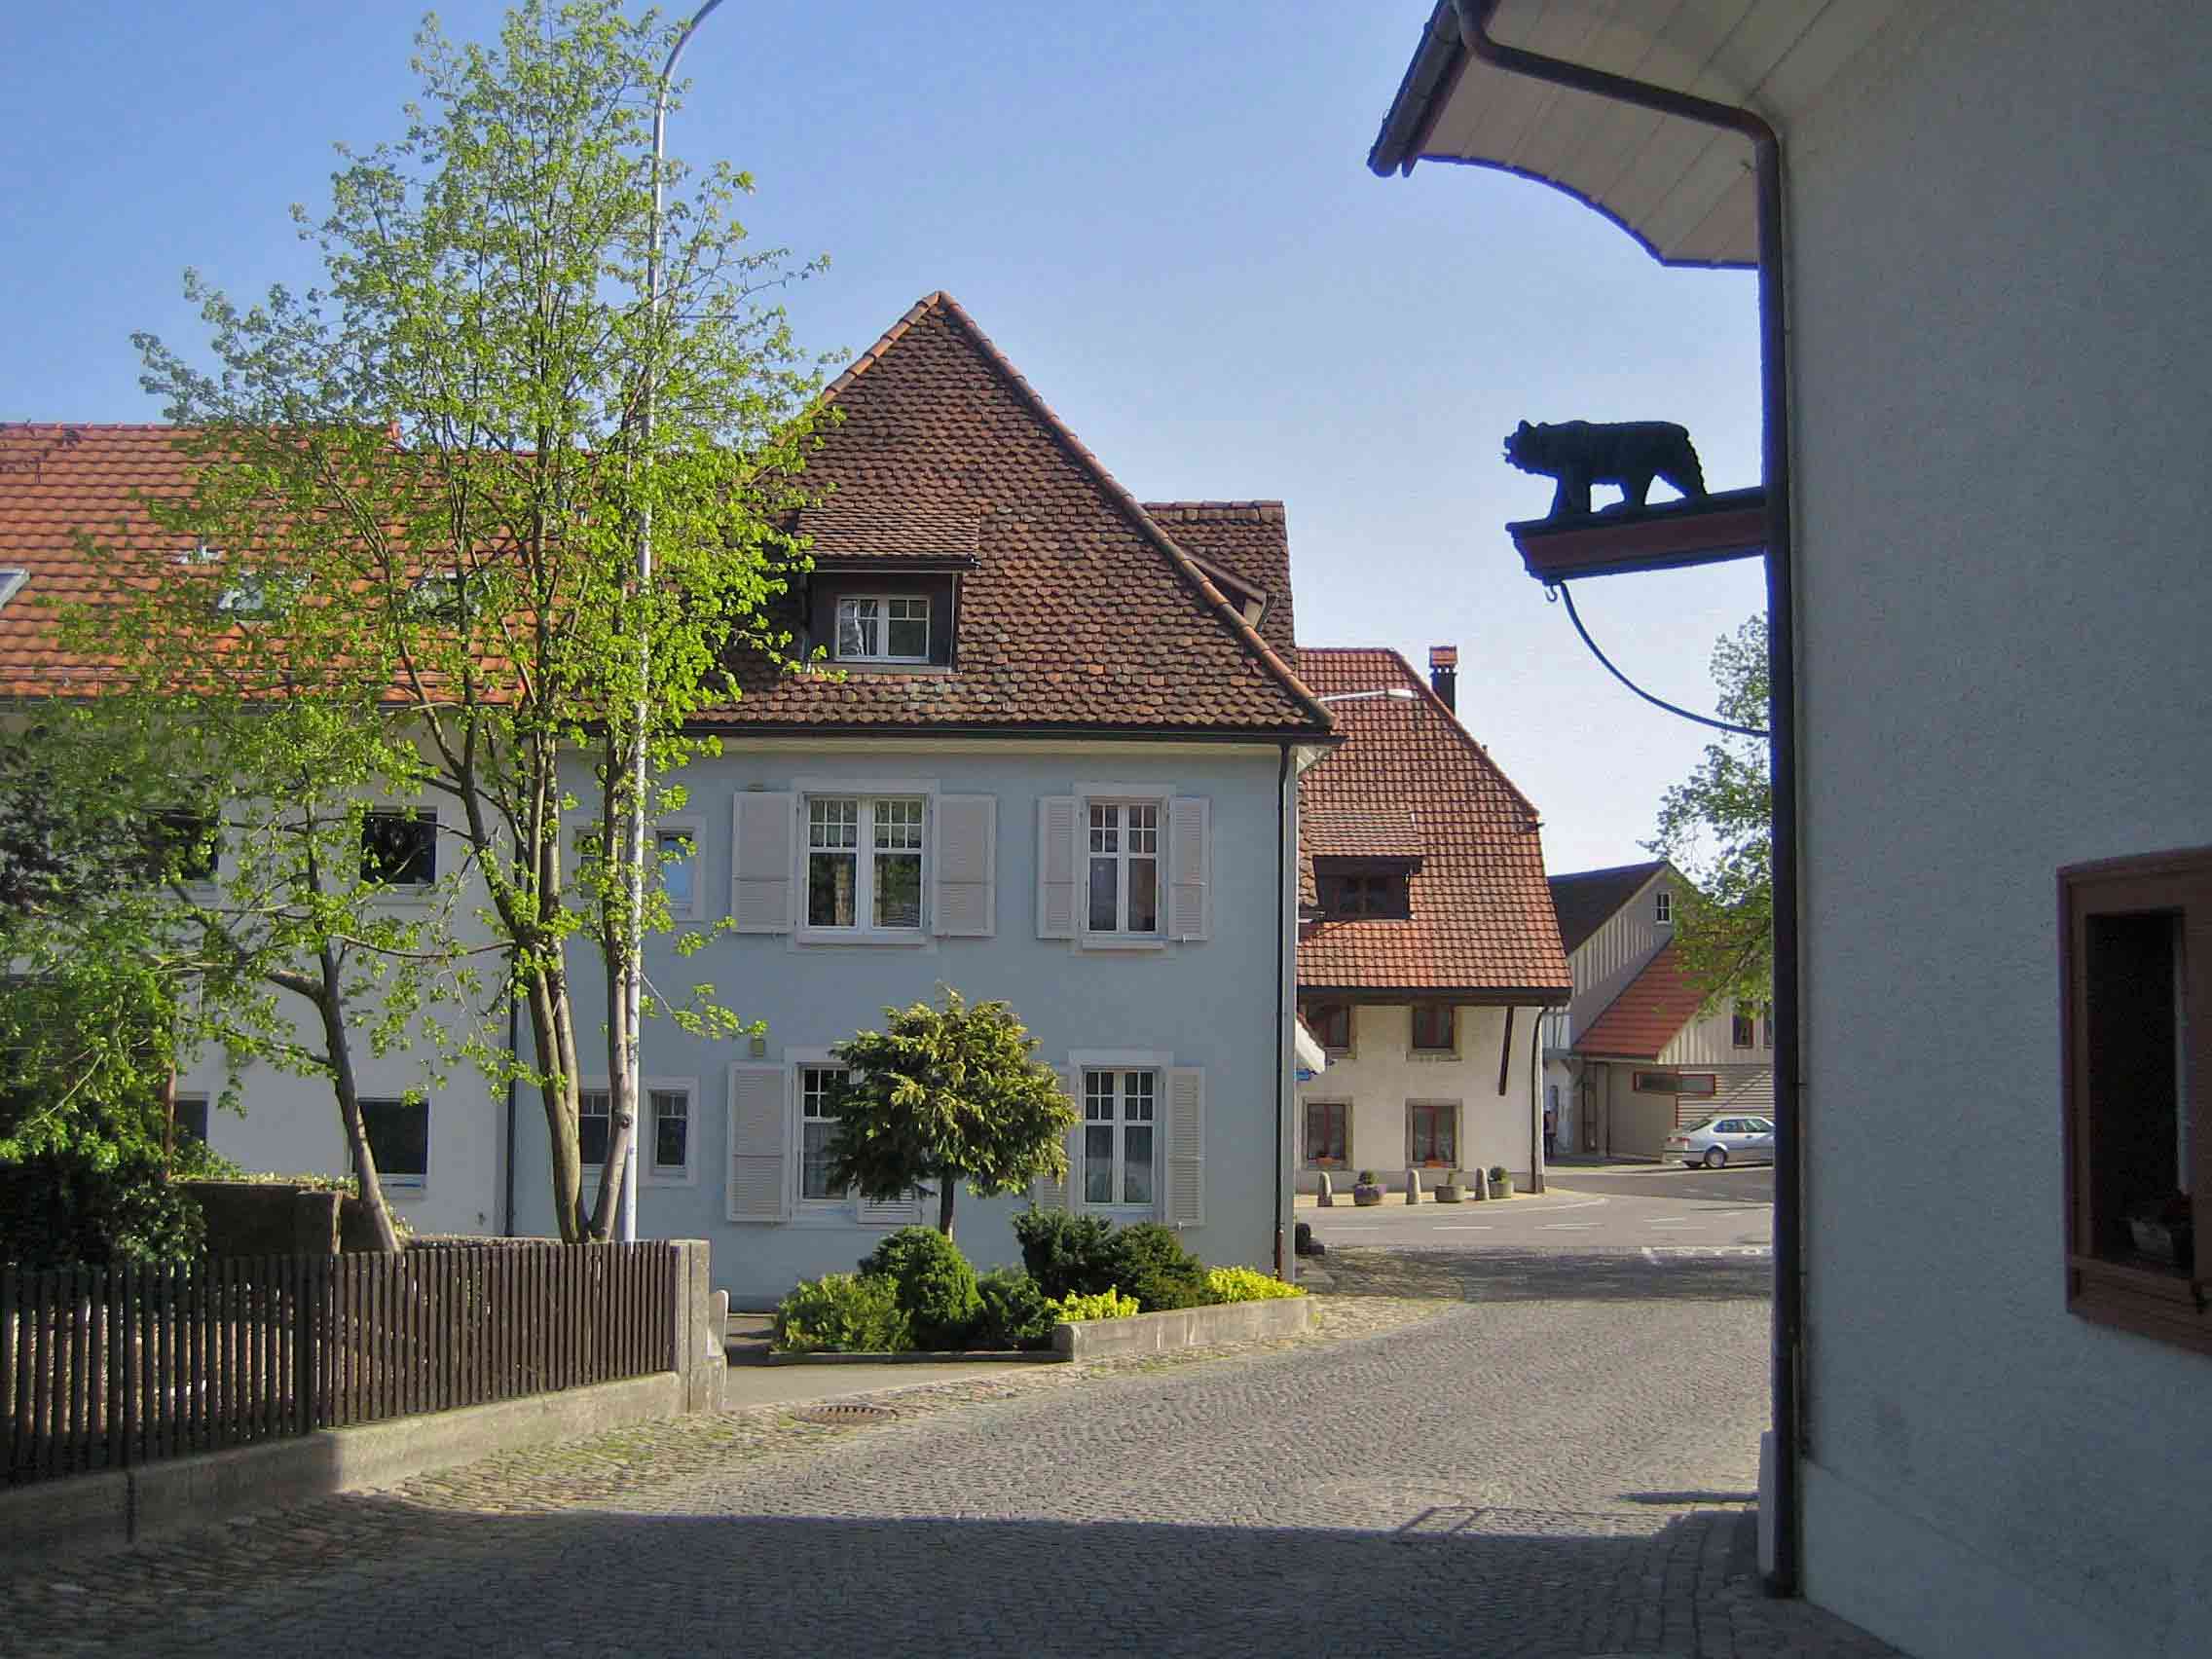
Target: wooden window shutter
(1191,867)
(1060,1194)
(1055,866)
(892,1212)
(1186,1146)
(765,827)
(965,904)
(759,1179)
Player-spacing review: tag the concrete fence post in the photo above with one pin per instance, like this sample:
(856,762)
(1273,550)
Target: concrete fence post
(698,1355)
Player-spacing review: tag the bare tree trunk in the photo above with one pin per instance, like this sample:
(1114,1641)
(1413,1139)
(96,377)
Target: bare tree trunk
(331,1005)
(556,1093)
(947,1188)
(619,931)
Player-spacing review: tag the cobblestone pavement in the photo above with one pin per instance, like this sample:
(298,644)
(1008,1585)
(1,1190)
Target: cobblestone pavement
(1521,1478)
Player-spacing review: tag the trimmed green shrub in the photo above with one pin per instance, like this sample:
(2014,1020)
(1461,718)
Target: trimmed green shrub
(1066,1254)
(1150,1264)
(66,1207)
(1248,1284)
(1107,1304)
(937,1287)
(1015,1312)
(843,1314)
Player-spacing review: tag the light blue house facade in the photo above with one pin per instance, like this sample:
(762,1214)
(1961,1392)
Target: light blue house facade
(1057,763)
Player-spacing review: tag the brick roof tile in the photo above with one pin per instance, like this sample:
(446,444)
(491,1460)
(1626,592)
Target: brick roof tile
(1650,1009)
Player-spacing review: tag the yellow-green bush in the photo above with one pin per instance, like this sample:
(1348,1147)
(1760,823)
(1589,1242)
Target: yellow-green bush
(1247,1284)
(1107,1304)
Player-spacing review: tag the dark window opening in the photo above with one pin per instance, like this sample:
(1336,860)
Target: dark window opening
(1331,1024)
(1433,1135)
(1325,1133)
(1366,893)
(1700,1086)
(399,1140)
(400,849)
(186,845)
(1741,1034)
(1433,1028)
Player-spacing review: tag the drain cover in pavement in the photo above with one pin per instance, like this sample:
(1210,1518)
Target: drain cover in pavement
(838,1416)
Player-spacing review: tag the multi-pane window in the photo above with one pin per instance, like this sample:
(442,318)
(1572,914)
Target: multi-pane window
(1432,1133)
(595,1119)
(400,849)
(1740,1029)
(672,1130)
(1331,1024)
(399,1140)
(817,1085)
(863,861)
(1363,893)
(1325,1133)
(1119,1110)
(1663,907)
(883,628)
(1125,867)
(1433,1032)
(679,851)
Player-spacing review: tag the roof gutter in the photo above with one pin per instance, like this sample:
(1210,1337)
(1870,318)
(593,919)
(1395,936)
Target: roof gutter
(1433,64)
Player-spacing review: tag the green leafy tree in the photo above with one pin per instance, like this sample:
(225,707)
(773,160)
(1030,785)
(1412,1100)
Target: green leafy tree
(1717,828)
(946,1094)
(439,462)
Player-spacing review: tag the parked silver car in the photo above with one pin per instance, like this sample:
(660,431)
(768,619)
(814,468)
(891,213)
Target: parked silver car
(1720,1141)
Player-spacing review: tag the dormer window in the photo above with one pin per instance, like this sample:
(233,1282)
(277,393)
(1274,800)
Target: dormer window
(883,628)
(1363,889)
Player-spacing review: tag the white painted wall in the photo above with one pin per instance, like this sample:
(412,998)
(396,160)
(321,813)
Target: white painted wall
(1606,961)
(2002,408)
(1381,1075)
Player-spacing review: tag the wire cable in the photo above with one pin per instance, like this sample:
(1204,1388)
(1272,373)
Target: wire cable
(1558,590)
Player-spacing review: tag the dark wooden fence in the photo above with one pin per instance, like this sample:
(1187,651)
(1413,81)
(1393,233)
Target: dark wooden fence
(106,1369)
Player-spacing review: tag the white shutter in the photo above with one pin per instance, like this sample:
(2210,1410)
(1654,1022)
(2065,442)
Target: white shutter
(1190,838)
(758,1181)
(765,826)
(1186,1146)
(892,1212)
(1055,866)
(1057,1195)
(965,854)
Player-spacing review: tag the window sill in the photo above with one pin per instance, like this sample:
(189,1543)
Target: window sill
(2162,1304)
(1121,942)
(862,936)
(1432,1056)
(667,1178)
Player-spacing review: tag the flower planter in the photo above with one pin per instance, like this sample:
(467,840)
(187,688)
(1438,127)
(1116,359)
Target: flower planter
(1450,1192)
(1501,1186)
(1365,1195)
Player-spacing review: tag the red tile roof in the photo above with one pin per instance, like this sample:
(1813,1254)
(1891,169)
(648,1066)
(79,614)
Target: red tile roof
(1249,540)
(1080,611)
(1359,833)
(1483,927)
(1645,1018)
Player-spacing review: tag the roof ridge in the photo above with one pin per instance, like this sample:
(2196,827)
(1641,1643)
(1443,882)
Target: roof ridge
(1428,694)
(1259,510)
(1607,869)
(938,299)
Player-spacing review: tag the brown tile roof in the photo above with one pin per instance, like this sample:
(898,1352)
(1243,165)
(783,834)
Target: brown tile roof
(1586,899)
(1081,613)
(1482,925)
(1250,541)
(1359,833)
(1643,1019)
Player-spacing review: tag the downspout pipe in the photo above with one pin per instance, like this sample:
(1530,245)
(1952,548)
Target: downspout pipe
(1286,999)
(1784,1578)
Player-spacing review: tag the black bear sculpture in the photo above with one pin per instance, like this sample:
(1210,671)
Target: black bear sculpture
(1629,454)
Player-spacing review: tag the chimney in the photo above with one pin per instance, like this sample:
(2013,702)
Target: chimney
(1444,675)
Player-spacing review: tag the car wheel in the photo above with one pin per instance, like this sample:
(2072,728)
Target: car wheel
(1716,1158)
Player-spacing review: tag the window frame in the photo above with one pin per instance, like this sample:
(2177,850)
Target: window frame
(408,814)
(1448,1050)
(884,655)
(1343,1111)
(1742,1029)
(1124,856)
(652,1172)
(1308,1011)
(866,856)
(390,1181)
(2104,1285)
(1663,907)
(1415,1109)
(1639,1082)
(1331,875)
(1121,1123)
(691,831)
(803,1203)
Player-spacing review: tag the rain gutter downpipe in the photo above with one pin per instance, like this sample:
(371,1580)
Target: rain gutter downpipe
(1286,1001)
(1784,1578)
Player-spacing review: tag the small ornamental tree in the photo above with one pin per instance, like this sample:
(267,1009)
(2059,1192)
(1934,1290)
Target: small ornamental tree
(946,1094)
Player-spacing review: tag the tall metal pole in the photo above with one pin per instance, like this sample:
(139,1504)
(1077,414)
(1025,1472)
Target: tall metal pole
(634,877)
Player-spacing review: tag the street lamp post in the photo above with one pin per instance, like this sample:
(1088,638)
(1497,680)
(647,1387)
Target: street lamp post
(634,877)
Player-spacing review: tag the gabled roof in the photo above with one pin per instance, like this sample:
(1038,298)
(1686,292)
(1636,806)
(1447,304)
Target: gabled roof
(1640,1022)
(1408,778)
(1077,611)
(1082,611)
(1587,899)
(1247,540)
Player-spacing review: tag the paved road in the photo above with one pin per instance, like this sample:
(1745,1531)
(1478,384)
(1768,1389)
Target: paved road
(1522,1475)
(1662,1210)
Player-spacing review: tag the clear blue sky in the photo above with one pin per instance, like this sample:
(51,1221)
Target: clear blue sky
(1160,212)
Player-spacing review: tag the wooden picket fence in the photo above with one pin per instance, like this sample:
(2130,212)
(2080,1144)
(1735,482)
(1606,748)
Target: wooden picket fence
(104,1369)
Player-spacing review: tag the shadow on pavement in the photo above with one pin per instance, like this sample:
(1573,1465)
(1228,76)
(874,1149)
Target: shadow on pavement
(1528,1583)
(1506,1274)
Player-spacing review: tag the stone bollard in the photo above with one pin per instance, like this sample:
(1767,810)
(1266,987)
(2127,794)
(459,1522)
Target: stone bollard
(1413,1185)
(1476,1190)
(1325,1191)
